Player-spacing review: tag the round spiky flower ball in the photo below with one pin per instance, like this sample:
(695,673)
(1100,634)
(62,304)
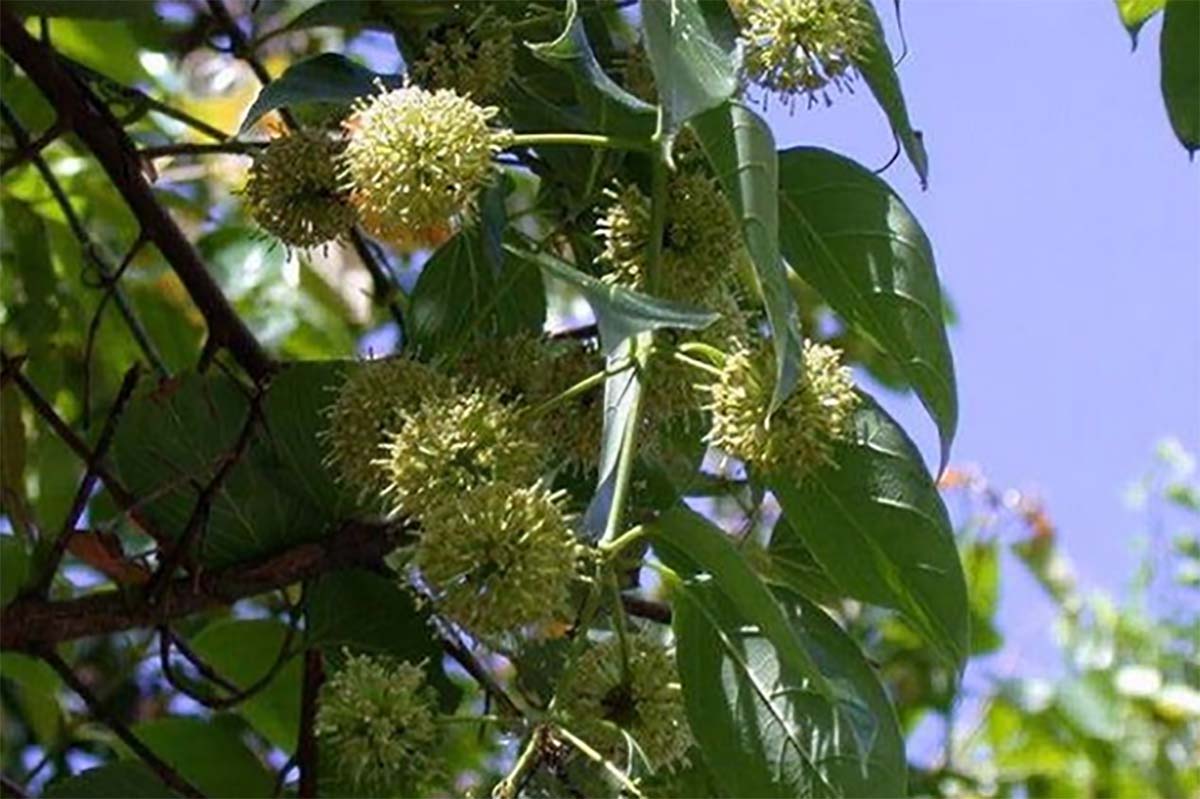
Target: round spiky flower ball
(803,46)
(476,62)
(605,697)
(700,240)
(451,445)
(370,404)
(376,715)
(498,558)
(527,368)
(294,190)
(416,160)
(801,434)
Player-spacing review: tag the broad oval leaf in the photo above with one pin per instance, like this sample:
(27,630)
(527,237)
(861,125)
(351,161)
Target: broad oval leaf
(326,78)
(874,520)
(610,107)
(771,732)
(245,651)
(1179,46)
(694,547)
(741,149)
(209,753)
(692,46)
(879,73)
(853,240)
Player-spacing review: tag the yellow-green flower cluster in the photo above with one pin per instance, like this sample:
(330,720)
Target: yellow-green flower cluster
(525,367)
(475,62)
(801,434)
(294,191)
(499,558)
(444,448)
(803,46)
(377,718)
(416,160)
(370,403)
(609,694)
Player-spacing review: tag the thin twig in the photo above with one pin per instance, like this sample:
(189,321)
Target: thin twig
(100,711)
(231,147)
(33,148)
(461,655)
(192,657)
(94,326)
(88,483)
(91,252)
(307,756)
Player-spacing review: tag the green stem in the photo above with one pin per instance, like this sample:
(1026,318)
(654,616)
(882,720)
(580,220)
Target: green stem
(583,139)
(658,221)
(714,355)
(704,367)
(528,760)
(629,537)
(596,757)
(620,623)
(583,386)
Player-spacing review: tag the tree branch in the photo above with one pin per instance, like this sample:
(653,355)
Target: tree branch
(82,111)
(31,625)
(306,751)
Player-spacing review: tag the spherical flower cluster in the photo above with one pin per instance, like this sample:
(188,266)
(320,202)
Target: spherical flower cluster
(294,190)
(499,558)
(527,368)
(475,62)
(803,46)
(416,160)
(445,448)
(700,240)
(607,696)
(377,718)
(370,402)
(801,434)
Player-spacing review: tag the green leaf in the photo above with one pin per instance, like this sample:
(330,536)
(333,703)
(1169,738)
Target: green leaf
(1135,13)
(1179,47)
(874,520)
(326,78)
(850,237)
(771,732)
(83,9)
(122,780)
(368,13)
(611,109)
(741,149)
(244,651)
(793,566)
(879,73)
(621,313)
(367,612)
(295,412)
(981,564)
(692,546)
(692,46)
(469,287)
(170,444)
(37,688)
(14,568)
(209,753)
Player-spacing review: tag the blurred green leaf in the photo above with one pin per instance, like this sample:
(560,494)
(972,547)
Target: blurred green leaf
(14,568)
(853,240)
(1179,50)
(121,780)
(244,651)
(873,519)
(1135,13)
(209,753)
(741,149)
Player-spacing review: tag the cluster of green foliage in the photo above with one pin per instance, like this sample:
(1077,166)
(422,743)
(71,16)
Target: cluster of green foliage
(619,642)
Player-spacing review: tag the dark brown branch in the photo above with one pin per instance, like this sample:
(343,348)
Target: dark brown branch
(647,609)
(231,147)
(100,711)
(88,483)
(306,751)
(33,624)
(10,787)
(82,111)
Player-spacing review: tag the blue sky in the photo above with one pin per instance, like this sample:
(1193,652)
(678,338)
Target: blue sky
(1065,219)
